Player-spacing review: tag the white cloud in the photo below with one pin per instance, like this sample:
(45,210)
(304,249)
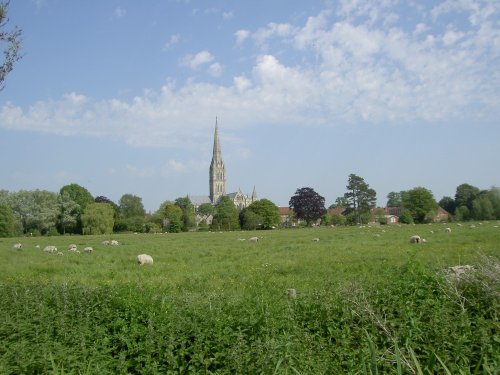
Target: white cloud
(227,15)
(345,70)
(174,39)
(241,36)
(201,58)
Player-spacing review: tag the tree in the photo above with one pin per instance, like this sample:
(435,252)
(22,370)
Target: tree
(268,211)
(394,199)
(421,204)
(307,205)
(360,197)
(340,202)
(188,215)
(80,196)
(206,209)
(6,221)
(68,215)
(10,42)
(132,213)
(97,218)
(249,220)
(226,215)
(448,204)
(465,195)
(173,216)
(482,208)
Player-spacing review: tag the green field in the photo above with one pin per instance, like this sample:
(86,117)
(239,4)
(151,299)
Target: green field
(367,302)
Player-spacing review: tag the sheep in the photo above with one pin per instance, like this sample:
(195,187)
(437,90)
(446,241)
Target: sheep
(316,239)
(50,249)
(143,259)
(88,249)
(447,230)
(291,293)
(415,239)
(253,239)
(18,246)
(114,243)
(60,254)
(105,243)
(72,248)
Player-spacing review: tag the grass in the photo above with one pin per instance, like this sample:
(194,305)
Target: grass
(367,301)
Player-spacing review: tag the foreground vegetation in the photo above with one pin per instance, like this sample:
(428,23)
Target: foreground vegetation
(367,302)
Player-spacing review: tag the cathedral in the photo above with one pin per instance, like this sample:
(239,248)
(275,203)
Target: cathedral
(217,181)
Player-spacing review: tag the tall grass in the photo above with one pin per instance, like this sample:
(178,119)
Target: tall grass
(367,302)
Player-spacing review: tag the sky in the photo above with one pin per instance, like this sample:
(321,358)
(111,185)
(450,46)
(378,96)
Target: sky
(122,96)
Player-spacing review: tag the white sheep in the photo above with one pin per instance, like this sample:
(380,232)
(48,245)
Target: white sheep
(88,249)
(50,249)
(415,239)
(316,239)
(447,230)
(253,239)
(18,246)
(106,242)
(60,254)
(72,248)
(143,259)
(114,243)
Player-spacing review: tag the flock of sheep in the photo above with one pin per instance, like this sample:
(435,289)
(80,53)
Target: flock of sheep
(142,259)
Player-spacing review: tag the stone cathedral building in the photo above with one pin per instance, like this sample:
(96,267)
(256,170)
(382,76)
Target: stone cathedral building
(217,181)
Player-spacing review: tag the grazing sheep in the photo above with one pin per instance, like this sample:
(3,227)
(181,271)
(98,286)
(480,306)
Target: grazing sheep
(50,249)
(106,242)
(114,243)
(88,249)
(292,293)
(316,239)
(253,239)
(72,248)
(472,226)
(60,254)
(143,259)
(424,240)
(18,246)
(415,239)
(447,230)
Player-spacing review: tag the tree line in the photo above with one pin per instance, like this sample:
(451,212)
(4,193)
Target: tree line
(73,210)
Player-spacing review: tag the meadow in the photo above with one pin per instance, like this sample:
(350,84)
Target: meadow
(367,301)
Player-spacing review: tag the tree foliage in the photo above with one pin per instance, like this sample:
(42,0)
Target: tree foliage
(226,215)
(132,213)
(268,212)
(421,204)
(68,213)
(307,205)
(394,199)
(360,197)
(97,218)
(10,44)
(188,214)
(6,221)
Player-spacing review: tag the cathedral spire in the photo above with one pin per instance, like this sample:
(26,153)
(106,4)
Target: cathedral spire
(217,171)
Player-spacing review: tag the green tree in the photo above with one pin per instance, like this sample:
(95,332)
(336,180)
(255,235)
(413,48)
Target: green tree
(447,203)
(249,220)
(80,196)
(97,218)
(494,195)
(10,44)
(68,215)
(132,213)
(482,208)
(360,197)
(6,221)
(340,202)
(394,199)
(206,209)
(188,214)
(173,216)
(406,217)
(421,204)
(465,195)
(226,215)
(268,211)
(307,205)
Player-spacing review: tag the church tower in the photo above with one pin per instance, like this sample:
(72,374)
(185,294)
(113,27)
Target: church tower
(217,171)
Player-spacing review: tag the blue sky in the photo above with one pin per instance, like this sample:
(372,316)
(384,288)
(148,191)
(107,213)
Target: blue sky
(121,96)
